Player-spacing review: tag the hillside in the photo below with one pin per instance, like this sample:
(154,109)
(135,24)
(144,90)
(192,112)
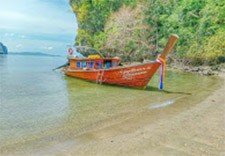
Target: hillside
(139,29)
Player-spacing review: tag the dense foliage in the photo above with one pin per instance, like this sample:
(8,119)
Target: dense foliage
(136,29)
(92,16)
(199,23)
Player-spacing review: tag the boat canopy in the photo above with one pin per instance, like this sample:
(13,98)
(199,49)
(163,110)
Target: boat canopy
(90,63)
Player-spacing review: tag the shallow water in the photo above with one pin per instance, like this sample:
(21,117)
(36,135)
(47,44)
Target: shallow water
(39,107)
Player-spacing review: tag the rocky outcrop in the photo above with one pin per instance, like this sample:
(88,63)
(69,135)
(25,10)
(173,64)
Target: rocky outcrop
(201,70)
(3,49)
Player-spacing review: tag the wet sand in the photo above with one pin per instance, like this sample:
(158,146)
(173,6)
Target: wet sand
(196,130)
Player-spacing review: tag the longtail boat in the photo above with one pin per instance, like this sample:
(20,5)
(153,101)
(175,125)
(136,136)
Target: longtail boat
(108,71)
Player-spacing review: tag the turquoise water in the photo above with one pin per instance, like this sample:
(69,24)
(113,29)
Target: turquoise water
(40,107)
(31,95)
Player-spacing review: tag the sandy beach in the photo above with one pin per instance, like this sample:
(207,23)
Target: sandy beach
(197,130)
(191,126)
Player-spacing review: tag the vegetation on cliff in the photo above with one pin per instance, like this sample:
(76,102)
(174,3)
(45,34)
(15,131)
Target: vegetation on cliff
(139,29)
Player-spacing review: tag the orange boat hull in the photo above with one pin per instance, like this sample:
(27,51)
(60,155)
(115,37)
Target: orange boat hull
(133,76)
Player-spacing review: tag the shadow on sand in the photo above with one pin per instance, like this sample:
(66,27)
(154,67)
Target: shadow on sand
(154,89)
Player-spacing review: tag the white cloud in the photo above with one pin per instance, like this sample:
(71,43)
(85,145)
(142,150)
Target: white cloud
(58,48)
(33,19)
(19,46)
(36,16)
(47,47)
(50,48)
(22,36)
(9,34)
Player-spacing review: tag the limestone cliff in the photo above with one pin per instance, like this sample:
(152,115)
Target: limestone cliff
(3,49)
(139,29)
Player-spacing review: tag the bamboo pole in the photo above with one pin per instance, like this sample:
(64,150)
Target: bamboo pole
(169,46)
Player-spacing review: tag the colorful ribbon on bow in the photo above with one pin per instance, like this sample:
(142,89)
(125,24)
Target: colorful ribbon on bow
(162,71)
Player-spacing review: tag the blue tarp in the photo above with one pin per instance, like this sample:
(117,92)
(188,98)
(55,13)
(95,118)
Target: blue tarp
(78,64)
(108,64)
(83,64)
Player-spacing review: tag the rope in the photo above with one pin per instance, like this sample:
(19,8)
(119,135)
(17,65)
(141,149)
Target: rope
(162,71)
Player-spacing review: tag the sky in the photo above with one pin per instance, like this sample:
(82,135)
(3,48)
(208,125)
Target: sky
(47,26)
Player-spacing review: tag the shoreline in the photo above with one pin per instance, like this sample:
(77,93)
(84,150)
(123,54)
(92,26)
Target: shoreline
(199,130)
(201,70)
(173,130)
(184,128)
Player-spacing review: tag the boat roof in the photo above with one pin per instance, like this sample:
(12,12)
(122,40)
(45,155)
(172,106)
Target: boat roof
(92,59)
